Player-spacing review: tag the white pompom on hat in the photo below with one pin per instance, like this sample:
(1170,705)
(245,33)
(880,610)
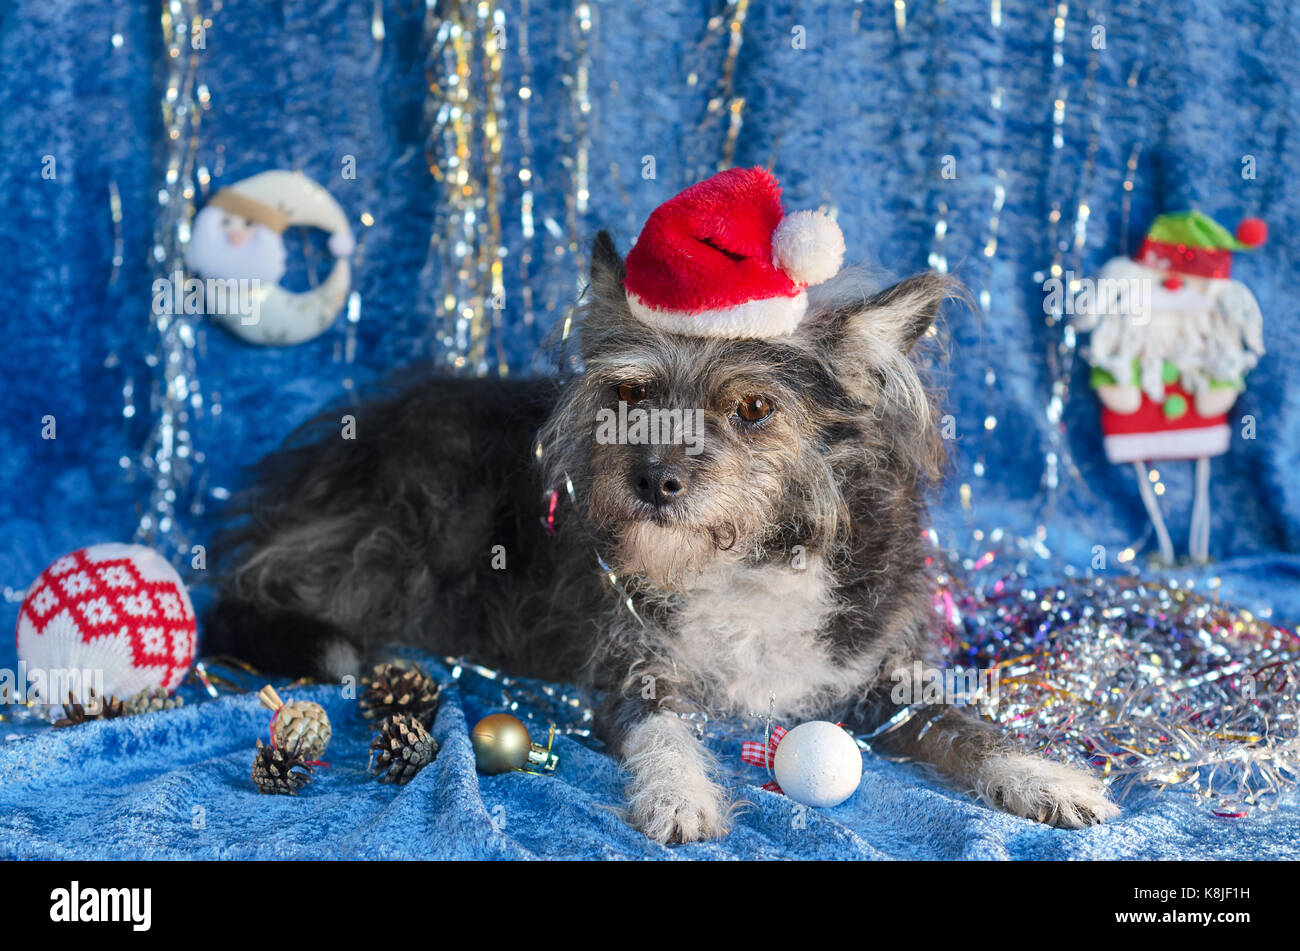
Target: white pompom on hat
(808,246)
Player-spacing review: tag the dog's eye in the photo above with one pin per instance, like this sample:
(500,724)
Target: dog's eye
(753,409)
(630,393)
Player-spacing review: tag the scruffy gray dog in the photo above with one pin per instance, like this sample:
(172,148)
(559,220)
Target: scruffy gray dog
(779,555)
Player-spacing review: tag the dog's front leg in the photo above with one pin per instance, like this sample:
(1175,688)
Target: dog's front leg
(673,795)
(974,754)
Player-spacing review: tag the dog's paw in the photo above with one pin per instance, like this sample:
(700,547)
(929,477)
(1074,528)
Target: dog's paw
(1044,791)
(672,797)
(669,815)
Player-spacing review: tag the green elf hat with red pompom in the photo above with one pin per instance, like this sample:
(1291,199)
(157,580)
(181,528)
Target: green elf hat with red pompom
(1193,243)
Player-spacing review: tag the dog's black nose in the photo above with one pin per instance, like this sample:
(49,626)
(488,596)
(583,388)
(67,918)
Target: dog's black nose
(659,484)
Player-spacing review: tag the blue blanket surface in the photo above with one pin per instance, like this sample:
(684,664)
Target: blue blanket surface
(177,785)
(1002,142)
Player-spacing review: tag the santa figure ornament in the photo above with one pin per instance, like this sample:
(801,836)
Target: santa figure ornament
(1173,337)
(116,618)
(723,259)
(237,239)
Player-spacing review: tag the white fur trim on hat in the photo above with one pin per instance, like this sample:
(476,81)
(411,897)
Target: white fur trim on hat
(772,317)
(808,246)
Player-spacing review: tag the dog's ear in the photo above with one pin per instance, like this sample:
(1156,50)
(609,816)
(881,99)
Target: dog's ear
(605,313)
(867,336)
(867,339)
(607,270)
(899,315)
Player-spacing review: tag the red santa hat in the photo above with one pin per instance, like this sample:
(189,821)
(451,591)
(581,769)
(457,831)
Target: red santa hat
(723,259)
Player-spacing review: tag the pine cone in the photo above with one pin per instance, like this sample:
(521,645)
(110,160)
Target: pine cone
(394,690)
(404,748)
(274,770)
(151,700)
(95,708)
(304,726)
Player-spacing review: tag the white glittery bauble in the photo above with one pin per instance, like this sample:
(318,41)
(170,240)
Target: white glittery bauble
(818,764)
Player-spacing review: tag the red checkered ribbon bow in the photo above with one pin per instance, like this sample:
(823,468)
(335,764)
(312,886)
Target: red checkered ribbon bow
(758,754)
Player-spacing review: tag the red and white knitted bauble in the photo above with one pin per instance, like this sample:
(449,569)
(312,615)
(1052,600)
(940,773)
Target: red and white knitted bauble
(723,259)
(119,610)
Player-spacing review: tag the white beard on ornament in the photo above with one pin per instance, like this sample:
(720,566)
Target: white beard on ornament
(211,254)
(1209,334)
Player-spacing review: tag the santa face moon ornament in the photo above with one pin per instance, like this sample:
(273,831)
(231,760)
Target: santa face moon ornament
(237,246)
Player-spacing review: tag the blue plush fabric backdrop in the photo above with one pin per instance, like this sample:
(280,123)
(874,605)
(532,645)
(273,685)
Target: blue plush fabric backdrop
(860,120)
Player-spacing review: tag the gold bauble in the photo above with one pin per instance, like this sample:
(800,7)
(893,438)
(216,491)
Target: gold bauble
(501,743)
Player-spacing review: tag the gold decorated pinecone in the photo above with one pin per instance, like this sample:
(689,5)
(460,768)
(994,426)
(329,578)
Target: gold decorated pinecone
(300,725)
(151,700)
(402,748)
(393,690)
(279,771)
